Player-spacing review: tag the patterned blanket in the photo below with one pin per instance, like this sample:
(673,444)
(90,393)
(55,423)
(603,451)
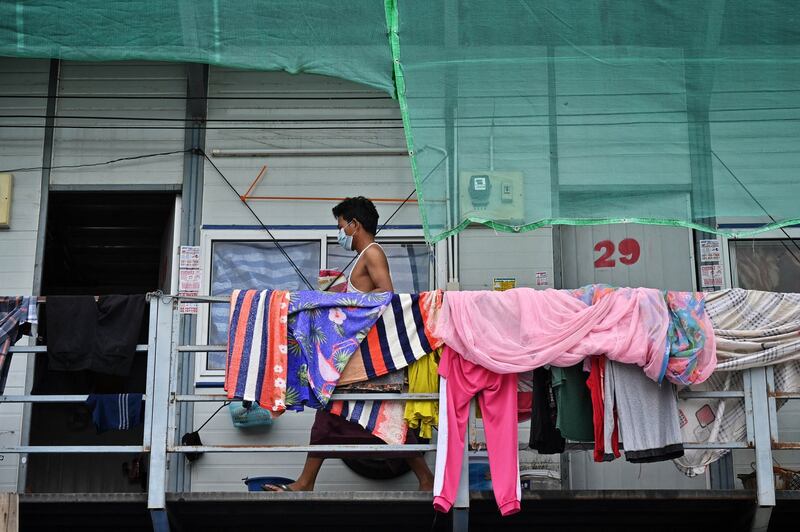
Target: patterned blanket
(754,328)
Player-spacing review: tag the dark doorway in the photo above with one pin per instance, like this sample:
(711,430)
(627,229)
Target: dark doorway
(97,243)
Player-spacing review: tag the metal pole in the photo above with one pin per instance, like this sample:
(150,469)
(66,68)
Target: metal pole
(38,267)
(761,435)
(151,369)
(192,206)
(157,478)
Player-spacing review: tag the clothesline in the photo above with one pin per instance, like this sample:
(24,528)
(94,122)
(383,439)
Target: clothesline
(43,299)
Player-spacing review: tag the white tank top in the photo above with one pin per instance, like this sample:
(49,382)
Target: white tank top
(350,287)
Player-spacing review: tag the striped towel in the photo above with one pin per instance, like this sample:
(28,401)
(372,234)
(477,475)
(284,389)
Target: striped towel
(401,335)
(257,351)
(383,419)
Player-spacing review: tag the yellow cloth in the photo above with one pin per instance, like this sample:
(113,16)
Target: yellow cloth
(423,377)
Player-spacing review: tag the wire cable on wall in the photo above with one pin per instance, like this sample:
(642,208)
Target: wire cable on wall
(275,241)
(88,165)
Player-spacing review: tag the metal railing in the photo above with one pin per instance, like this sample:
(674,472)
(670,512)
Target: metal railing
(162,400)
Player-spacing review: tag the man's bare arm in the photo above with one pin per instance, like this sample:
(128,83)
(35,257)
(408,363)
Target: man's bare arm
(378,270)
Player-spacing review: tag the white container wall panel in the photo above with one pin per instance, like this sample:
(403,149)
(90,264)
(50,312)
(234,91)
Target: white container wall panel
(586,474)
(113,110)
(21,144)
(485,254)
(272,110)
(627,255)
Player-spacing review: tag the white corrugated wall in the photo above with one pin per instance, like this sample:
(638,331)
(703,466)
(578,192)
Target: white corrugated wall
(144,90)
(20,147)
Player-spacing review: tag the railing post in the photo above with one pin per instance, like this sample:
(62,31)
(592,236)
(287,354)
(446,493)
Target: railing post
(151,364)
(763,447)
(157,476)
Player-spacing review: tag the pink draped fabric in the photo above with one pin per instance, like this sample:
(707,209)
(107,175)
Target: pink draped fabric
(523,329)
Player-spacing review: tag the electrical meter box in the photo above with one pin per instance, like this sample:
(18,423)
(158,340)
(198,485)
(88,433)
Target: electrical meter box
(492,194)
(5,201)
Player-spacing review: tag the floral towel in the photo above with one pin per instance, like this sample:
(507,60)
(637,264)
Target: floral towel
(324,331)
(690,346)
(690,339)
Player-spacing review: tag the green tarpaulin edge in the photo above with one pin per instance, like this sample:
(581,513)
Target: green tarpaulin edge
(504,228)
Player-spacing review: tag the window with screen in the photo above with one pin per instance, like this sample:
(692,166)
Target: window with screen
(255,265)
(409,262)
(770,265)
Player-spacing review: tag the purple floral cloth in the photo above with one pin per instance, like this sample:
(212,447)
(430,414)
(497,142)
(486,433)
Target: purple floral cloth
(325,329)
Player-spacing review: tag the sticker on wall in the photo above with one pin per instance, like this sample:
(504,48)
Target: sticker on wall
(504,283)
(187,307)
(711,275)
(710,250)
(541,279)
(190,258)
(190,281)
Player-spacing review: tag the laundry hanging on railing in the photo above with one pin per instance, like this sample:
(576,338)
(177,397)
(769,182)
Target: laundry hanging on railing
(754,328)
(256,362)
(401,335)
(711,420)
(324,331)
(116,411)
(15,312)
(423,377)
(497,396)
(101,335)
(562,327)
(398,338)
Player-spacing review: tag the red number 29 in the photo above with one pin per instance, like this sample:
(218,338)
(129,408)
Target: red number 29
(629,253)
(605,260)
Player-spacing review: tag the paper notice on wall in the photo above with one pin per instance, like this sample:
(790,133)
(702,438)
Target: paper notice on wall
(187,307)
(541,279)
(190,258)
(504,283)
(190,281)
(710,250)
(711,275)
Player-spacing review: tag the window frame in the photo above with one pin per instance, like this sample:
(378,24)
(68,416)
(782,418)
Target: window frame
(213,378)
(729,250)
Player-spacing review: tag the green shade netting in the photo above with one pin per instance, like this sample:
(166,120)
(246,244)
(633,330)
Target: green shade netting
(342,38)
(527,113)
(517,114)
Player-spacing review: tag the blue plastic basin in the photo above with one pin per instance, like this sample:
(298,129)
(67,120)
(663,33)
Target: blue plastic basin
(255,483)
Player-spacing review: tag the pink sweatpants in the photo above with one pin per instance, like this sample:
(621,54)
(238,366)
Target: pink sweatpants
(498,402)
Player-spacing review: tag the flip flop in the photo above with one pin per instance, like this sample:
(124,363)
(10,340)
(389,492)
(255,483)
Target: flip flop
(281,488)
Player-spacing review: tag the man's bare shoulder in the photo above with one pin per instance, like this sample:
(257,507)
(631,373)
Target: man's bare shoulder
(375,252)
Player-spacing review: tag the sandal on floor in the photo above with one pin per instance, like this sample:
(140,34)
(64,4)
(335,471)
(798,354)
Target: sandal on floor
(281,488)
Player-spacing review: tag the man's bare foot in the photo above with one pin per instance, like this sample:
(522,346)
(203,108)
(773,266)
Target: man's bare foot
(294,486)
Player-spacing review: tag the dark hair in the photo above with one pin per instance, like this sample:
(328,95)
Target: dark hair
(361,209)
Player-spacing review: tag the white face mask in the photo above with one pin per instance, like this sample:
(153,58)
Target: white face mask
(345,240)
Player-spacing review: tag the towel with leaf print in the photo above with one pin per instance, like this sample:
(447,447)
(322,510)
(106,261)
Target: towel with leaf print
(325,329)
